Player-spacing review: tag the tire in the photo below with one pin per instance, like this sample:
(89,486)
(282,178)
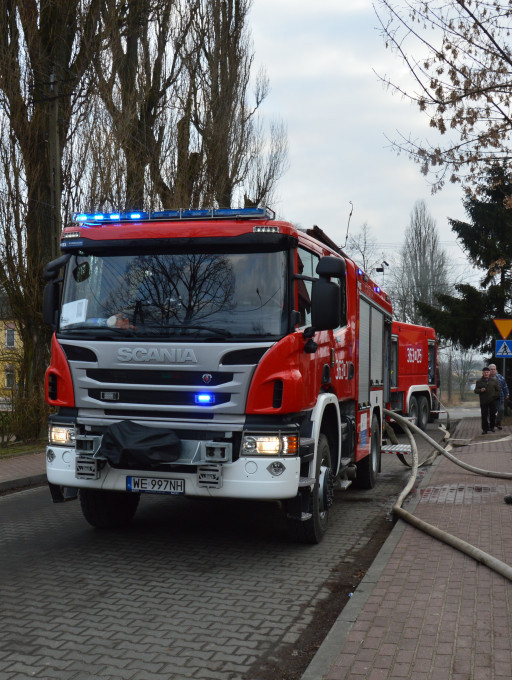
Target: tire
(423,412)
(413,410)
(108,509)
(368,467)
(312,530)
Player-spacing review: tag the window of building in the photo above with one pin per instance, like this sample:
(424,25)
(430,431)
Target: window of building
(9,337)
(9,378)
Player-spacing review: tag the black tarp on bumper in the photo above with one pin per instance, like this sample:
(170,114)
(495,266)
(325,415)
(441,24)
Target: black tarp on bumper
(130,445)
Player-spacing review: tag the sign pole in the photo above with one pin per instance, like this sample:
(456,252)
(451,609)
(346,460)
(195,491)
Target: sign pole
(504,327)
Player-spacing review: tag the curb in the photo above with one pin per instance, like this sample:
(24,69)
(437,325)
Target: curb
(22,483)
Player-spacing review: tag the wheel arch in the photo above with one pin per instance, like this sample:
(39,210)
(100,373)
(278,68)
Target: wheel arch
(326,420)
(418,391)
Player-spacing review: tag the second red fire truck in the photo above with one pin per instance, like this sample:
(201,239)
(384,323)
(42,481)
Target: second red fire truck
(414,374)
(212,353)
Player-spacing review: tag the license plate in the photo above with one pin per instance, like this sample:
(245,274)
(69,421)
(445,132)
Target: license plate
(175,487)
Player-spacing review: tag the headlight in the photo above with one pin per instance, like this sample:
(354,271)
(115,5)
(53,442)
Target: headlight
(59,435)
(270,445)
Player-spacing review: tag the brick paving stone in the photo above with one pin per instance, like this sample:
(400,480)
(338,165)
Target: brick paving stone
(382,661)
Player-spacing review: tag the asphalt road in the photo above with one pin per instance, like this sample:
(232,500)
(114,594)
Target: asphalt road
(194,589)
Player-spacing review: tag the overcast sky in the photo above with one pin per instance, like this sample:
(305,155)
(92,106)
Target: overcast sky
(320,58)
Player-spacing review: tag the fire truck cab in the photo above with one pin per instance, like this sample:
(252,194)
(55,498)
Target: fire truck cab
(212,353)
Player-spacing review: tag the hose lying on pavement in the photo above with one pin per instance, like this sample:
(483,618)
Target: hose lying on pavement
(479,555)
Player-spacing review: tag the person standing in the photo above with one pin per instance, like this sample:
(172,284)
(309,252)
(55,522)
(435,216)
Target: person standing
(488,389)
(504,394)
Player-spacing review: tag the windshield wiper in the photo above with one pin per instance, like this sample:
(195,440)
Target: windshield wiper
(218,331)
(100,331)
(185,327)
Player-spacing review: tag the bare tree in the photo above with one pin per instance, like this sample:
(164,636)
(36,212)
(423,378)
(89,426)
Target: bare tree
(45,48)
(139,65)
(268,163)
(463,365)
(362,248)
(232,142)
(175,129)
(421,269)
(458,53)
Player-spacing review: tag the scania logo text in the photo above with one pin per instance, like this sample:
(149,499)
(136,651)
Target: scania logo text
(157,355)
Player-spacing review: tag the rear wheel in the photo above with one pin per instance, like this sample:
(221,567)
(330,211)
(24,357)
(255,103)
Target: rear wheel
(423,412)
(108,509)
(313,529)
(413,410)
(368,467)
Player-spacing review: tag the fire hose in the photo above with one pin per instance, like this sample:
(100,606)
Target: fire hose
(472,551)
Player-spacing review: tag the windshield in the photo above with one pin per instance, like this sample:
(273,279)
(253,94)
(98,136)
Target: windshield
(195,295)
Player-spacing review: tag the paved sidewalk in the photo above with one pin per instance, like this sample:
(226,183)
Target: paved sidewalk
(21,471)
(424,610)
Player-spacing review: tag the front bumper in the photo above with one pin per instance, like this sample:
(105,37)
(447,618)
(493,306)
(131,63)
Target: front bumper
(248,477)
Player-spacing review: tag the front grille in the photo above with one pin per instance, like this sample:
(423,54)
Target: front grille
(159,415)
(158,377)
(164,398)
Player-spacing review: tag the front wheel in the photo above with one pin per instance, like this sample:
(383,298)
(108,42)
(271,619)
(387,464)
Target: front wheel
(108,509)
(312,530)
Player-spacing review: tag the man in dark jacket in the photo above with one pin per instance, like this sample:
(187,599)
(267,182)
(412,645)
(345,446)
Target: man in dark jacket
(504,394)
(488,389)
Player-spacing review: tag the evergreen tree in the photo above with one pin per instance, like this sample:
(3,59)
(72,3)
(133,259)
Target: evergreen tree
(487,239)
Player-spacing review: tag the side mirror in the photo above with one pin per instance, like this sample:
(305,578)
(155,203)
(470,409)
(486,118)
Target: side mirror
(51,297)
(325,305)
(331,267)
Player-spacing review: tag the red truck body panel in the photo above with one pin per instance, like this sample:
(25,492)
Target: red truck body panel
(414,368)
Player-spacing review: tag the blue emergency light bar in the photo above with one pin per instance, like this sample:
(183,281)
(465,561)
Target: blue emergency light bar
(202,214)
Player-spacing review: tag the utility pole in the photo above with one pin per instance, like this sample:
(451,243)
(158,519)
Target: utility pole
(450,357)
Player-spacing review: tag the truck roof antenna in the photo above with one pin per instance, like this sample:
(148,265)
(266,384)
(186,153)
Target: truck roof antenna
(348,223)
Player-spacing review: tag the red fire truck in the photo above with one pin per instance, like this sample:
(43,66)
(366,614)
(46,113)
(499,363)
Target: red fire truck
(212,353)
(414,381)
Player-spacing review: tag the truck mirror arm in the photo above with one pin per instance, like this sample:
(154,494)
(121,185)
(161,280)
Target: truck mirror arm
(51,270)
(311,346)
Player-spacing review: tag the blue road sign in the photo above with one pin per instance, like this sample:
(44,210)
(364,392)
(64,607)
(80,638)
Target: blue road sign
(503,348)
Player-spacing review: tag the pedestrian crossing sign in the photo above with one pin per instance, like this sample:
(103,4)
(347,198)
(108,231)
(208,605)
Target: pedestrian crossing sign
(503,348)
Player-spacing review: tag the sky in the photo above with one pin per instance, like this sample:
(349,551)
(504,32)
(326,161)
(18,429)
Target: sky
(321,59)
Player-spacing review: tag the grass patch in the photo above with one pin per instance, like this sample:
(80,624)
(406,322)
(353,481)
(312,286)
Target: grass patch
(21,448)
